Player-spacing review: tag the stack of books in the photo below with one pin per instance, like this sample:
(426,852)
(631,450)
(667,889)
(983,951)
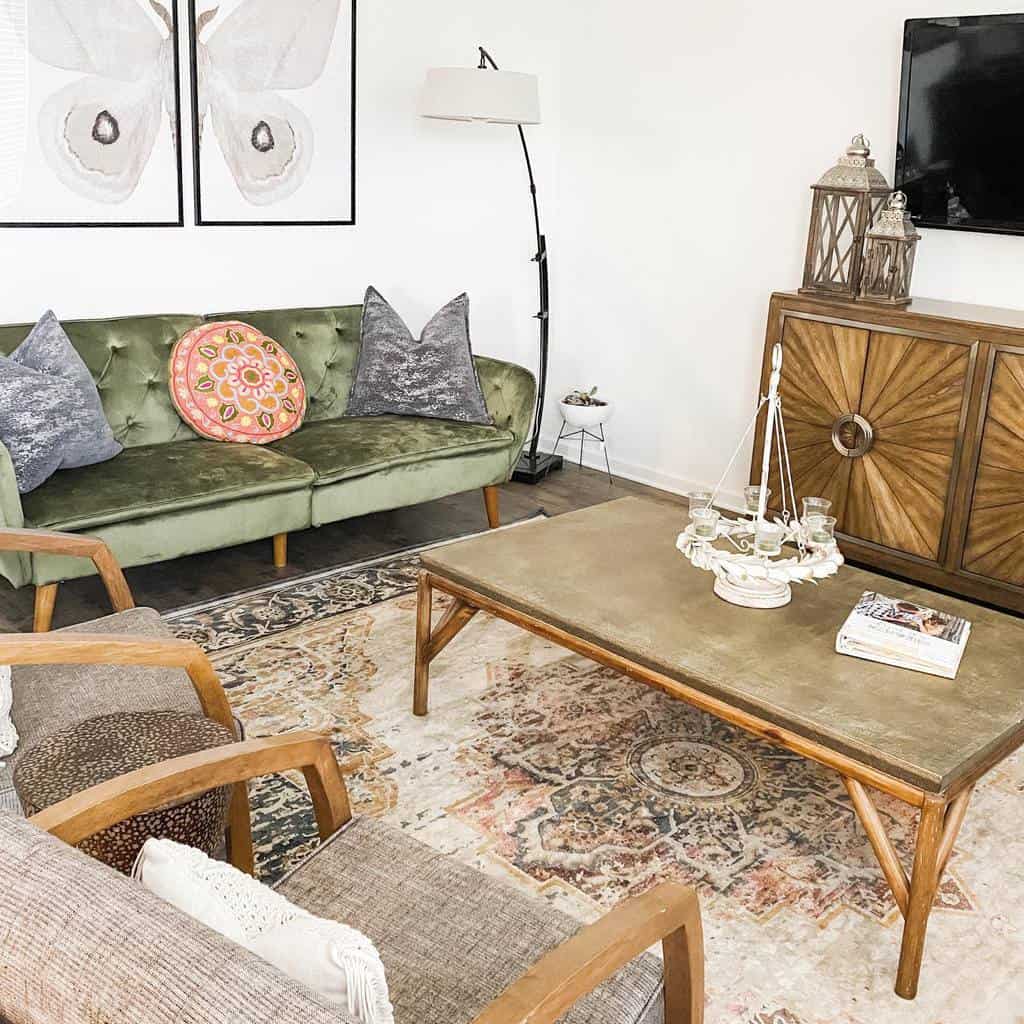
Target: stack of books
(904,634)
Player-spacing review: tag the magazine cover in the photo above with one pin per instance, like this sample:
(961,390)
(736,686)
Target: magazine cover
(913,617)
(904,634)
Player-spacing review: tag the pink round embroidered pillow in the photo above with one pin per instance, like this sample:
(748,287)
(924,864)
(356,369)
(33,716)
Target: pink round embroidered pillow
(229,382)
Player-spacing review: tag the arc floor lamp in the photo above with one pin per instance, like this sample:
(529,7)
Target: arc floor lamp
(486,93)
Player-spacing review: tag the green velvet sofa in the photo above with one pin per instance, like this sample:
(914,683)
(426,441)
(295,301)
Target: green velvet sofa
(171,493)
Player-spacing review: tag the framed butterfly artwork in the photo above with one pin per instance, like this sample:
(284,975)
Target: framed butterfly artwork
(273,111)
(102,140)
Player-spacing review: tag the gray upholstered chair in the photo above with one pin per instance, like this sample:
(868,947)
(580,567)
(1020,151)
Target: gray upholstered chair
(128,661)
(457,946)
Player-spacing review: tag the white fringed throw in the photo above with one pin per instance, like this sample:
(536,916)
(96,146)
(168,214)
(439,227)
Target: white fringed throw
(333,959)
(8,734)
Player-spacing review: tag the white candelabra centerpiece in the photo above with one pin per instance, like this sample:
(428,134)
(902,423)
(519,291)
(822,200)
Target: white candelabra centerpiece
(746,554)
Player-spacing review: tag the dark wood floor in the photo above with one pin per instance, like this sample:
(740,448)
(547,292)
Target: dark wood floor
(214,574)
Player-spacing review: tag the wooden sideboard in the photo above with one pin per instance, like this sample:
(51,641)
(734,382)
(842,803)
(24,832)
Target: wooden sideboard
(912,422)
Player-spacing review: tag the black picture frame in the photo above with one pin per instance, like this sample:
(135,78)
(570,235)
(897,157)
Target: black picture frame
(180,222)
(197,171)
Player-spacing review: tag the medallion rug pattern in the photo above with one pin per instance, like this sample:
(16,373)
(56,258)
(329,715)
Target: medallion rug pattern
(584,787)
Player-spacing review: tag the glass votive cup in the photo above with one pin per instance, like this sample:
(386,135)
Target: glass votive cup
(768,538)
(821,530)
(752,498)
(705,522)
(816,507)
(699,499)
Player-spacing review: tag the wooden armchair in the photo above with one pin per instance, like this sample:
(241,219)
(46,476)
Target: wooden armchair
(545,989)
(146,643)
(102,649)
(76,546)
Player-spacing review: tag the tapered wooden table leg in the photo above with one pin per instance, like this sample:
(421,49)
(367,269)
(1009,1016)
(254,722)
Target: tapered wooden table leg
(923,885)
(421,679)
(430,642)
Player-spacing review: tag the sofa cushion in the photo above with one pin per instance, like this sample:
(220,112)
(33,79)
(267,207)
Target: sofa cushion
(433,375)
(48,698)
(51,416)
(152,479)
(81,944)
(344,448)
(324,343)
(232,383)
(451,938)
(128,359)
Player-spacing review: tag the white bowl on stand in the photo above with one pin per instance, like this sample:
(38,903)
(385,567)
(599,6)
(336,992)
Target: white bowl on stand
(584,416)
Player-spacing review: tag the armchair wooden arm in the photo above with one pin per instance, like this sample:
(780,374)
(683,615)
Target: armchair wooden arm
(95,809)
(116,649)
(76,546)
(669,912)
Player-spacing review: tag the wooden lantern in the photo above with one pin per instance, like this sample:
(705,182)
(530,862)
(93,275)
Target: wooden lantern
(889,255)
(846,201)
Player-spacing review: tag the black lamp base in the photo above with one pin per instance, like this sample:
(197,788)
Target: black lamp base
(532,471)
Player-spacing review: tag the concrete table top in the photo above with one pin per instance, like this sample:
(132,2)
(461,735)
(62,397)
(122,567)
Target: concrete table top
(611,575)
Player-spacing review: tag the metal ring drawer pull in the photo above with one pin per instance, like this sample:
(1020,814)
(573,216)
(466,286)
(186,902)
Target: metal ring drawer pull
(852,435)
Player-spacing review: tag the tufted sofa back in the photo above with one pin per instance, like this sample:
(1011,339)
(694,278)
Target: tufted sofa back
(128,359)
(325,344)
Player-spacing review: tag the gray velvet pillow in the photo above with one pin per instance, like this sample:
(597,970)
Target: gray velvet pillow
(51,416)
(434,376)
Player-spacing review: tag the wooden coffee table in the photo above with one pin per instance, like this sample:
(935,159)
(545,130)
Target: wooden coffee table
(608,583)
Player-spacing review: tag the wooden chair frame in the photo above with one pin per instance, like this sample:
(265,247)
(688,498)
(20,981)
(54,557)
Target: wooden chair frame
(668,913)
(116,649)
(73,545)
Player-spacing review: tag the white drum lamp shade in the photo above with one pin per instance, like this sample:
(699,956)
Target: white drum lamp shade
(473,94)
(13,96)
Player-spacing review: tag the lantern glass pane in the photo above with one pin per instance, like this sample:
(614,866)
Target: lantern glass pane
(835,244)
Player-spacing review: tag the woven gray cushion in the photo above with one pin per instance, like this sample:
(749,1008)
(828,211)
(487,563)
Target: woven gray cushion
(434,376)
(48,698)
(51,416)
(451,938)
(8,798)
(81,944)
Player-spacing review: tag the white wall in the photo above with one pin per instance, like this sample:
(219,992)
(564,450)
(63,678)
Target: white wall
(441,207)
(679,144)
(689,137)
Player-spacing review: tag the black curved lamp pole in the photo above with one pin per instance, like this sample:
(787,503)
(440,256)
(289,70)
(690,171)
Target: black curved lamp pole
(533,466)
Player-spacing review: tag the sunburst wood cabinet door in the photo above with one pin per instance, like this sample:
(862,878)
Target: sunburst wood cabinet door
(995,532)
(912,422)
(872,423)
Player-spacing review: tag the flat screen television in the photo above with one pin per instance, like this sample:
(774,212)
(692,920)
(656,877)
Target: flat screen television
(960,153)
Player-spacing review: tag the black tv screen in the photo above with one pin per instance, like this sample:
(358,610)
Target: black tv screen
(960,154)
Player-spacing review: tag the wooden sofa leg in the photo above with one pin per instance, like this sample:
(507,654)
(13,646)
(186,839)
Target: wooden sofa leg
(491,504)
(46,598)
(280,550)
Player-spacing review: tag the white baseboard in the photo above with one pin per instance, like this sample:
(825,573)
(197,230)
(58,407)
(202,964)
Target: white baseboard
(593,459)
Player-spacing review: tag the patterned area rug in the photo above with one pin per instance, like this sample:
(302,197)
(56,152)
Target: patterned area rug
(584,787)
